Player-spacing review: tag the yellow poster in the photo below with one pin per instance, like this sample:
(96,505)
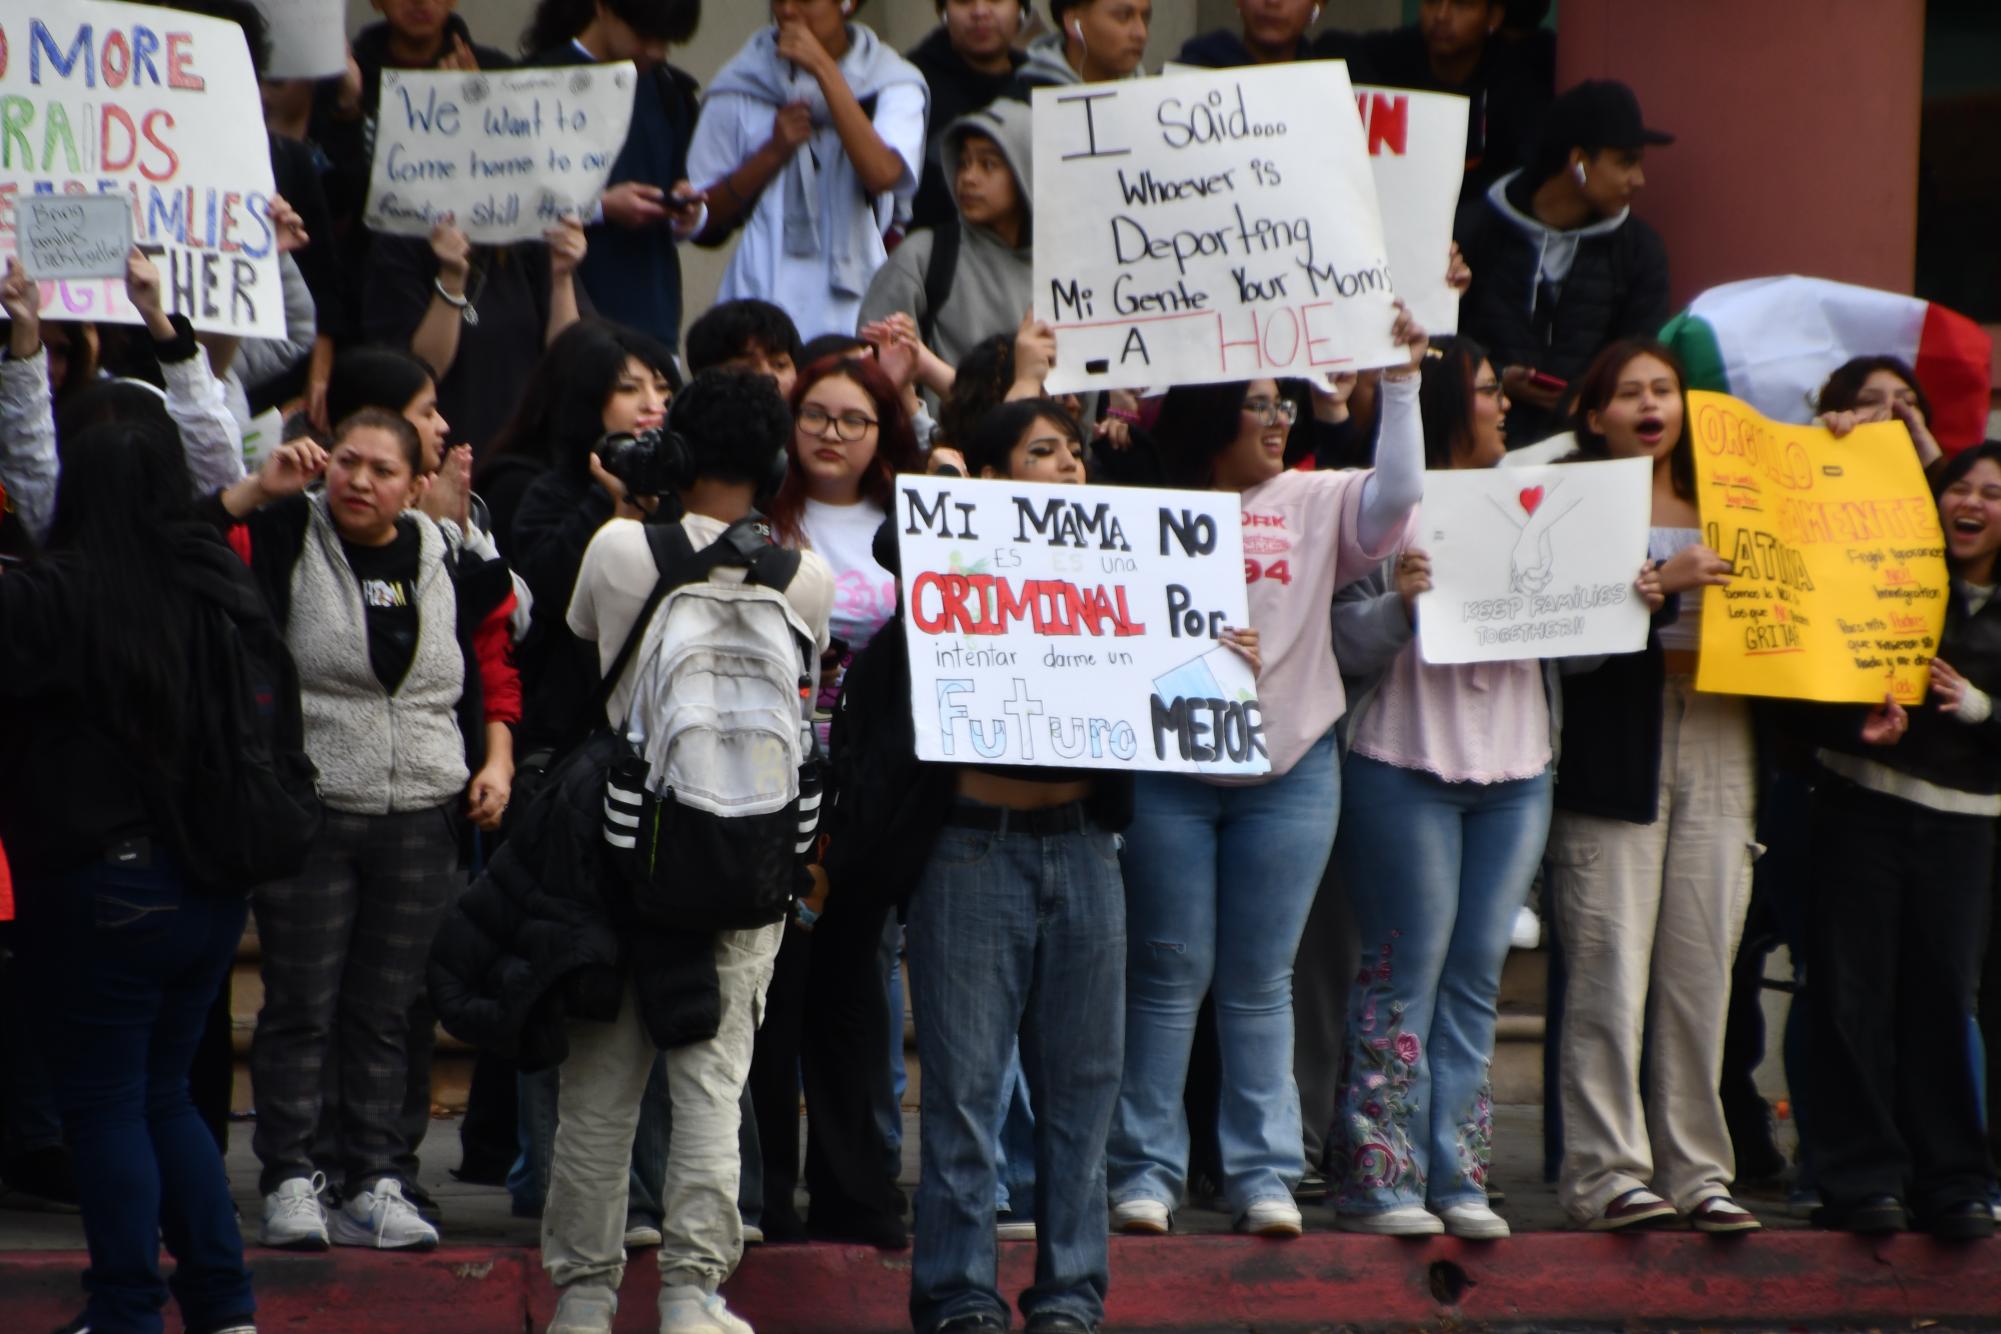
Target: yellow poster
(1838,591)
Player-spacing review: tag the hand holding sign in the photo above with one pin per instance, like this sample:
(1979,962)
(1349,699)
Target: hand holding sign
(22,301)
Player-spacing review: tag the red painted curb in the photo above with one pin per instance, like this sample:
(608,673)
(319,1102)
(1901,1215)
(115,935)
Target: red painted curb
(1170,1284)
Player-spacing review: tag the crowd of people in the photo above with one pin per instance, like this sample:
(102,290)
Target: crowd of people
(459,644)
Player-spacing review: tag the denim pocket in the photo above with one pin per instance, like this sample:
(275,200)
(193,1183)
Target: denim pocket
(962,847)
(126,912)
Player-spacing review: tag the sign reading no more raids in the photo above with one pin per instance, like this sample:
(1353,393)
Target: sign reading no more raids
(1534,562)
(161,109)
(1077,626)
(1207,227)
(1838,582)
(508,154)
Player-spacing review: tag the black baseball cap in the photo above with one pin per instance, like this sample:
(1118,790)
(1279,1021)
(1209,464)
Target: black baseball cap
(1598,113)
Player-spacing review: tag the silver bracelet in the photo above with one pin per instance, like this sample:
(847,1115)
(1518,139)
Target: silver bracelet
(462,303)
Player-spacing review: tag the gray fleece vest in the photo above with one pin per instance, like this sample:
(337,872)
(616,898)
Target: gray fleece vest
(377,753)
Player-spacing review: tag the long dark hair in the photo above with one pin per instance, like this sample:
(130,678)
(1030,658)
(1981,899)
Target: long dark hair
(123,492)
(1601,380)
(1445,396)
(1198,422)
(1845,385)
(557,22)
(375,377)
(1961,464)
(895,442)
(992,442)
(982,379)
(561,413)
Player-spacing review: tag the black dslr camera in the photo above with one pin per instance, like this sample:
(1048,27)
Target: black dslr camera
(648,464)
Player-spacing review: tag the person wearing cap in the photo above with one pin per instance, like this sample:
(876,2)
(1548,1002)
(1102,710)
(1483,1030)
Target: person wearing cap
(1561,267)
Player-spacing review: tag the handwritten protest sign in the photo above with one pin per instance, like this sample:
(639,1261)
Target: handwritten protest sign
(1417,150)
(1077,626)
(308,38)
(160,108)
(1533,562)
(507,153)
(1839,581)
(1213,226)
(73,236)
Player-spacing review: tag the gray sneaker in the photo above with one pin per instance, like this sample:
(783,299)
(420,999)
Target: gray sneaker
(686,1309)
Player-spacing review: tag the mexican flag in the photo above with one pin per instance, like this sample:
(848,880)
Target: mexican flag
(1773,341)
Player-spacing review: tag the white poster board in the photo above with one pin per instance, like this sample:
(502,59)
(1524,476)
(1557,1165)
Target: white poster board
(1076,626)
(507,153)
(1209,226)
(1417,150)
(73,236)
(308,38)
(161,108)
(1534,562)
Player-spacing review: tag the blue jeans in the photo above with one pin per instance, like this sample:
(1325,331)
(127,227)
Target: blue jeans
(1436,872)
(124,963)
(1014,1146)
(1219,881)
(1010,936)
(528,1181)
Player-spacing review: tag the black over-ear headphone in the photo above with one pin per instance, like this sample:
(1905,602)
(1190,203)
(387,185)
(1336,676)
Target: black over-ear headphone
(674,462)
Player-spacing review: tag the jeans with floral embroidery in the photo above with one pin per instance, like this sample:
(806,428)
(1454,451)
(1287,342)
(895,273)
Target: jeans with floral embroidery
(1436,872)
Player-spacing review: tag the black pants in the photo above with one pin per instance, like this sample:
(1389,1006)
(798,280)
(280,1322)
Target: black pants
(1897,928)
(774,1084)
(845,1050)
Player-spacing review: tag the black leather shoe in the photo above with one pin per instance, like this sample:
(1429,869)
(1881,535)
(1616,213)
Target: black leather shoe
(1969,1220)
(1877,1216)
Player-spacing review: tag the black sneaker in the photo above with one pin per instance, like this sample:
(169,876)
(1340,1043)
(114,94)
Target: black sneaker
(1969,1220)
(971,1323)
(1877,1216)
(1057,1323)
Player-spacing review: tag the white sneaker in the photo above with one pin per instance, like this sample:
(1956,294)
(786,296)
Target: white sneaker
(382,1218)
(1141,1217)
(1271,1218)
(753,1235)
(686,1309)
(1527,932)
(641,1236)
(1013,1227)
(585,1308)
(294,1218)
(1474,1222)
(1408,1220)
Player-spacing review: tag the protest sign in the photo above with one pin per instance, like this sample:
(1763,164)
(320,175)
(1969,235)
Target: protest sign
(73,236)
(308,38)
(1077,626)
(1838,581)
(1534,562)
(1213,226)
(160,108)
(1417,150)
(507,153)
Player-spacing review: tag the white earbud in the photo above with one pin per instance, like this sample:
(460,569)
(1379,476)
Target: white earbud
(1578,171)
(1077,30)
(1316,15)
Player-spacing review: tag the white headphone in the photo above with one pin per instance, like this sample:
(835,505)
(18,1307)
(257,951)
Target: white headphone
(1577,170)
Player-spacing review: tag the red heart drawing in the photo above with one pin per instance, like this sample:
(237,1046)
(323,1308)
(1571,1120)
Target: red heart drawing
(1530,497)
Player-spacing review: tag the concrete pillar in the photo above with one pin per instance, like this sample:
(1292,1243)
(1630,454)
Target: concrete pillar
(1797,132)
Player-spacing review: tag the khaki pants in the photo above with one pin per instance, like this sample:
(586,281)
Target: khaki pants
(583,1223)
(1649,917)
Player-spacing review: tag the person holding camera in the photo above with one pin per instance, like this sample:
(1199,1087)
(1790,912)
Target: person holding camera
(726,438)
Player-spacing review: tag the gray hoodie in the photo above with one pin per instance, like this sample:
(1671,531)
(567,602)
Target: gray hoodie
(1555,249)
(1046,66)
(993,284)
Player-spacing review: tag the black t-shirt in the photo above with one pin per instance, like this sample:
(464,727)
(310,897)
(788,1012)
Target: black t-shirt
(388,578)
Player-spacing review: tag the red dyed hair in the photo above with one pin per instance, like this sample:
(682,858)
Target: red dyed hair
(895,442)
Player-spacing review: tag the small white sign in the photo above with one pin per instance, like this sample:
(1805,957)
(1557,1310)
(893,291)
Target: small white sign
(73,236)
(1211,226)
(1417,150)
(1533,562)
(507,153)
(308,38)
(1077,626)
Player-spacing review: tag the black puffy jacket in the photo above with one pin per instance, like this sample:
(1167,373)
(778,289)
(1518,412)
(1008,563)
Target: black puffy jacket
(1617,288)
(546,935)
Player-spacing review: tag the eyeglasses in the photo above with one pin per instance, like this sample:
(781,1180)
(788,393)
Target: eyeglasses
(1272,413)
(849,426)
(1491,389)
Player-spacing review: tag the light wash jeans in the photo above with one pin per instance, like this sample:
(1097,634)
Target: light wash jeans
(602,1083)
(1436,872)
(1012,936)
(1219,881)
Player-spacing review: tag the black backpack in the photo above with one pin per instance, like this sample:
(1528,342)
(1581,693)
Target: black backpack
(249,807)
(939,272)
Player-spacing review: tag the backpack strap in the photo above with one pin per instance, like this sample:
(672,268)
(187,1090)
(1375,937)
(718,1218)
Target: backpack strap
(671,551)
(939,273)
